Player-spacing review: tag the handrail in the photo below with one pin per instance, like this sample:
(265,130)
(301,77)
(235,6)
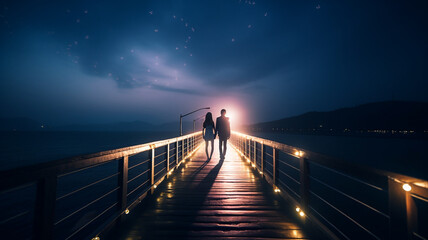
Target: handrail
(334,162)
(399,191)
(46,175)
(9,179)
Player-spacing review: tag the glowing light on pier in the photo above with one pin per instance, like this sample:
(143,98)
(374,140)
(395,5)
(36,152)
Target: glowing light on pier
(300,212)
(407,187)
(298,153)
(127,211)
(277,190)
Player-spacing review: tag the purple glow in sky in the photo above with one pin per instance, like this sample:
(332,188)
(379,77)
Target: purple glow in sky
(91,62)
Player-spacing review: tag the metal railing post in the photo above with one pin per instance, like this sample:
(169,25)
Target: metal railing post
(274,160)
(304,183)
(176,153)
(152,168)
(255,153)
(167,158)
(122,183)
(187,148)
(397,210)
(249,148)
(44,211)
(182,149)
(261,157)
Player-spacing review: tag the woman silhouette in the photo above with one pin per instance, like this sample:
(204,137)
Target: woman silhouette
(208,132)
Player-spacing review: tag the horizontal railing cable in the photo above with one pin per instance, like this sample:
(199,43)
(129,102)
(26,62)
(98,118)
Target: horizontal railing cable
(139,175)
(345,215)
(350,197)
(92,220)
(86,186)
(139,186)
(138,164)
(14,217)
(351,177)
(85,206)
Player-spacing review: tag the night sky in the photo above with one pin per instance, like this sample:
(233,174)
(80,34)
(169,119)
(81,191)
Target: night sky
(107,61)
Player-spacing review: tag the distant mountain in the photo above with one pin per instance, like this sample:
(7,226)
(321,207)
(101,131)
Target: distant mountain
(392,115)
(19,124)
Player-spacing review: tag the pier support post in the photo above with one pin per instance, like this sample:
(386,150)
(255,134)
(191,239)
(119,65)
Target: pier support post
(45,208)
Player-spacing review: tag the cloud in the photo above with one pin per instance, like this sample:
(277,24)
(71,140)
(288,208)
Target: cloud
(119,43)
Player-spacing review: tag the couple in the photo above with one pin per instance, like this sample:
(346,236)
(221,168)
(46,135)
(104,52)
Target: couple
(210,131)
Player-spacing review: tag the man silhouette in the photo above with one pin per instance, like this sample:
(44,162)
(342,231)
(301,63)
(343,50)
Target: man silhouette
(223,131)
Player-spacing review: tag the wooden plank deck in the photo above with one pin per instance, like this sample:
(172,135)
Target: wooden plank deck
(211,200)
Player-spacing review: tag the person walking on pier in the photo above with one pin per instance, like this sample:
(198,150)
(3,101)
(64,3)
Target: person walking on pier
(208,131)
(223,131)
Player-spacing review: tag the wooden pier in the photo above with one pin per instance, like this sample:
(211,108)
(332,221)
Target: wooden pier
(167,189)
(212,199)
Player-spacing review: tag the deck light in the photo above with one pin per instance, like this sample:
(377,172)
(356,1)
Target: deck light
(301,213)
(407,187)
(297,209)
(277,190)
(155,186)
(298,153)
(253,165)
(96,238)
(261,172)
(127,211)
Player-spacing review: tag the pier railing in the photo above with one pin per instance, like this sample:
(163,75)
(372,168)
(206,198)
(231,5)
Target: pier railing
(81,197)
(345,200)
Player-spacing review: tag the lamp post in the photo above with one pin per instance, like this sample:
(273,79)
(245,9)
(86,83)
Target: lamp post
(183,115)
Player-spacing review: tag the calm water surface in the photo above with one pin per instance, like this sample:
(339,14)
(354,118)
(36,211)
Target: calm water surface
(25,148)
(406,156)
(400,155)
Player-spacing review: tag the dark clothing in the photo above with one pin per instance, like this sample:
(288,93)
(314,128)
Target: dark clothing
(206,124)
(222,144)
(223,128)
